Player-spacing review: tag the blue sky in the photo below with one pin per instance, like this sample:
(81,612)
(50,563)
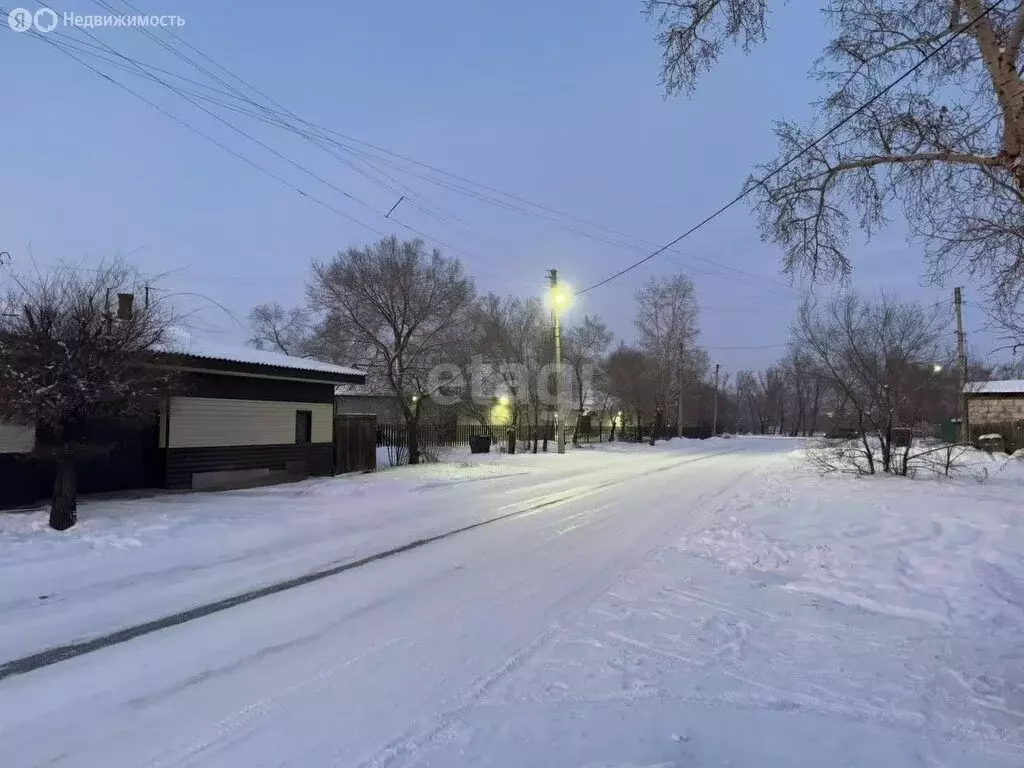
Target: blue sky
(556,102)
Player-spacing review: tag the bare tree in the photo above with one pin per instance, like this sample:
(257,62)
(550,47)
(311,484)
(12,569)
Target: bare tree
(405,307)
(68,360)
(881,356)
(272,327)
(510,341)
(806,386)
(945,145)
(632,383)
(585,345)
(667,330)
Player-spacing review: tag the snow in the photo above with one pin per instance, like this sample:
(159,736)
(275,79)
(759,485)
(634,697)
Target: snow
(182,342)
(1005,386)
(699,603)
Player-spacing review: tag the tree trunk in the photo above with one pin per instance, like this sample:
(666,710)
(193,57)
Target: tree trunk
(611,434)
(536,428)
(656,429)
(412,425)
(906,456)
(815,407)
(867,445)
(886,438)
(413,428)
(64,505)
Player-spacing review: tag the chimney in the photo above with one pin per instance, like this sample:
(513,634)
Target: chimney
(124,305)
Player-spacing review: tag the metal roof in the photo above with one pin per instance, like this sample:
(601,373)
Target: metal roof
(1003,387)
(185,344)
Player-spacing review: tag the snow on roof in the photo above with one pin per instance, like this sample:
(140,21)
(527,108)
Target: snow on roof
(1004,387)
(183,343)
(362,390)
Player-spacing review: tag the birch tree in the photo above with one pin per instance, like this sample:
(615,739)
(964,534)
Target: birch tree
(944,146)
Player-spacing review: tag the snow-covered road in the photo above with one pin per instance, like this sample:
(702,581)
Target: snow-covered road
(614,623)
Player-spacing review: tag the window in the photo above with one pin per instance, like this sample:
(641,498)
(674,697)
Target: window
(303,427)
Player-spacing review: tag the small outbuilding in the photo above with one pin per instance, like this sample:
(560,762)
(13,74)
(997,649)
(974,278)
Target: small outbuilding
(997,407)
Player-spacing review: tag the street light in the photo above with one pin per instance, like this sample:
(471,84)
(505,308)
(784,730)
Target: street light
(561,298)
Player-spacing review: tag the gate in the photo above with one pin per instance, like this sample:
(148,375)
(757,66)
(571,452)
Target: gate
(355,443)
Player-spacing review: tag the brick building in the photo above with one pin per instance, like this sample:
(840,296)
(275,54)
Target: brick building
(997,407)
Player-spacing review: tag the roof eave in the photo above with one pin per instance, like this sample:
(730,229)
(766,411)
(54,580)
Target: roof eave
(261,370)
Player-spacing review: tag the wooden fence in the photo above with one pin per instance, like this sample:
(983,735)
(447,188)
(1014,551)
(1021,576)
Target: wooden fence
(355,443)
(1011,431)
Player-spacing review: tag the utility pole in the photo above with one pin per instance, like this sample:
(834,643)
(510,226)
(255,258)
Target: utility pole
(553,277)
(714,410)
(961,355)
(679,402)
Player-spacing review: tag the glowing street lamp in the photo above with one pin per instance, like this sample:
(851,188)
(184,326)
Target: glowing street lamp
(561,298)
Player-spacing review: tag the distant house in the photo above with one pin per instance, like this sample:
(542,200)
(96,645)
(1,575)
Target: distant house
(242,416)
(997,407)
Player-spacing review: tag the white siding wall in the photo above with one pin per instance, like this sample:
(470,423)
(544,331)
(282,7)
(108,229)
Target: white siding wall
(15,438)
(203,422)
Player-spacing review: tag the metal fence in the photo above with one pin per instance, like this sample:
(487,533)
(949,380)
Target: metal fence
(453,435)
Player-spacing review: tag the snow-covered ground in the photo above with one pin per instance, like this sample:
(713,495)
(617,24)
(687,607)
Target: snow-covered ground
(131,561)
(695,604)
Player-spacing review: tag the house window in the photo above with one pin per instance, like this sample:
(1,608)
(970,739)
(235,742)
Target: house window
(303,427)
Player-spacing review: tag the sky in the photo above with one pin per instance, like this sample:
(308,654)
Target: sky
(557,103)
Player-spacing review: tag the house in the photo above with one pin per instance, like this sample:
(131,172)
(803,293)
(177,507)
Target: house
(241,416)
(997,407)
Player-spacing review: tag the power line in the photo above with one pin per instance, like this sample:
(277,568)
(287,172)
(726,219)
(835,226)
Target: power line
(103,4)
(750,187)
(264,145)
(747,347)
(274,117)
(206,136)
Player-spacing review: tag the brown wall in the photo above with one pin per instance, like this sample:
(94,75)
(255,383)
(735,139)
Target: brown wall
(310,459)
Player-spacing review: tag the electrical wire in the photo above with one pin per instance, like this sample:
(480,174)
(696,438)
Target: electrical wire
(206,136)
(106,6)
(274,117)
(750,187)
